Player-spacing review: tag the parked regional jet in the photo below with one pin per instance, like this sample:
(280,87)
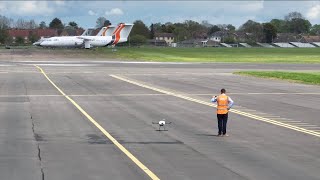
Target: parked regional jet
(72,41)
(118,36)
(85,33)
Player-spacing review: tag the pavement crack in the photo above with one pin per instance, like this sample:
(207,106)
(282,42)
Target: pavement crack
(35,135)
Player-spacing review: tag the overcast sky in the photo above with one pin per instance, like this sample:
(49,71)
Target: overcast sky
(85,13)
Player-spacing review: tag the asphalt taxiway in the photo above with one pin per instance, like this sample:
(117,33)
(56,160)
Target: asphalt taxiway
(93,120)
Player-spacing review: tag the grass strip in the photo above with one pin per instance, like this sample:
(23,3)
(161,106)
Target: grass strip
(235,55)
(300,77)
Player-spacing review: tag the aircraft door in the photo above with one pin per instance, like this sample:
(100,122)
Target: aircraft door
(87,44)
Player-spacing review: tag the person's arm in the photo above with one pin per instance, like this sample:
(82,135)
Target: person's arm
(230,103)
(214,99)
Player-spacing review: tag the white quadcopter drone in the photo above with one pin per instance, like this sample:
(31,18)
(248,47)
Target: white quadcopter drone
(162,124)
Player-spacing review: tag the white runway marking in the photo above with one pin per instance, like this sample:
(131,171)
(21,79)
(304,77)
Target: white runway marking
(249,115)
(106,62)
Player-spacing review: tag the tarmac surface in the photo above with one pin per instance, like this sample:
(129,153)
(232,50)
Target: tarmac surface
(100,124)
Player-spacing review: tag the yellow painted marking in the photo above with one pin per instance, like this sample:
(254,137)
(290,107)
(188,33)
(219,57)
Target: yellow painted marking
(106,133)
(259,118)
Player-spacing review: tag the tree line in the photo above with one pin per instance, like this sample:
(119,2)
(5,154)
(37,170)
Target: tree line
(293,22)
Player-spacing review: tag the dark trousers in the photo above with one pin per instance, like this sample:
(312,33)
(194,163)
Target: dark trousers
(222,123)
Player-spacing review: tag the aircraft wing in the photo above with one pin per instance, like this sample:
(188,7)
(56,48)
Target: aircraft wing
(84,38)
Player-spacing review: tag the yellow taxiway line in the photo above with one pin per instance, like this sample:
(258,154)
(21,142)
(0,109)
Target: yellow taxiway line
(252,116)
(106,133)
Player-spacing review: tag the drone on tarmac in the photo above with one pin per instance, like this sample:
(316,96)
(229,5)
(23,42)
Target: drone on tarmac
(162,124)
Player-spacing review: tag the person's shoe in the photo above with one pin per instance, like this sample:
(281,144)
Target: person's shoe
(225,135)
(219,135)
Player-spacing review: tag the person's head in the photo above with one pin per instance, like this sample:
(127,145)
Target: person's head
(223,91)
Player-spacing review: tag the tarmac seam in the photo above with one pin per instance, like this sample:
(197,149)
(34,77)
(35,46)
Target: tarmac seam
(252,116)
(106,133)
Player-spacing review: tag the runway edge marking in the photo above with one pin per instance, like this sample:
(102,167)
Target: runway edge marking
(252,116)
(106,133)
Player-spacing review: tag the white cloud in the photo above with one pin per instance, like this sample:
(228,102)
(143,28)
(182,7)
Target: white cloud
(114,11)
(30,8)
(314,12)
(92,13)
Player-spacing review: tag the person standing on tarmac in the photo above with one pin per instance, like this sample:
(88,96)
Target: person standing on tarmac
(224,103)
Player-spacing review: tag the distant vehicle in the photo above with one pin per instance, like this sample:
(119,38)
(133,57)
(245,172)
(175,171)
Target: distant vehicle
(7,47)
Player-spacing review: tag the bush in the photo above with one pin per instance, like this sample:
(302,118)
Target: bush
(138,40)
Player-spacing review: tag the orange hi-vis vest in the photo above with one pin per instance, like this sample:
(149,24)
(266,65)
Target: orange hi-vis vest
(222,101)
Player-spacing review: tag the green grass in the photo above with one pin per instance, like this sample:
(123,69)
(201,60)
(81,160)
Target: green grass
(252,55)
(234,55)
(300,77)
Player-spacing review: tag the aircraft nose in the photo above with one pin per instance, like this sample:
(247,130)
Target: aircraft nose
(43,43)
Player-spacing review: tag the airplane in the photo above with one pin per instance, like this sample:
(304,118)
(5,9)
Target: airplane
(120,35)
(109,36)
(85,33)
(71,41)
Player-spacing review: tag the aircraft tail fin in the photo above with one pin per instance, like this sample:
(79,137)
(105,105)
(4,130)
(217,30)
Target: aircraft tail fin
(88,32)
(109,30)
(121,33)
(106,31)
(85,33)
(126,30)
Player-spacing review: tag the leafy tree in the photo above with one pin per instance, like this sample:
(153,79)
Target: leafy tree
(19,40)
(213,29)
(163,28)
(195,30)
(296,23)
(170,27)
(315,30)
(100,22)
(270,32)
(231,27)
(152,32)
(180,32)
(157,27)
(4,35)
(230,40)
(106,23)
(254,28)
(42,25)
(293,15)
(33,37)
(140,28)
(299,26)
(280,25)
(56,24)
(73,24)
(138,39)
